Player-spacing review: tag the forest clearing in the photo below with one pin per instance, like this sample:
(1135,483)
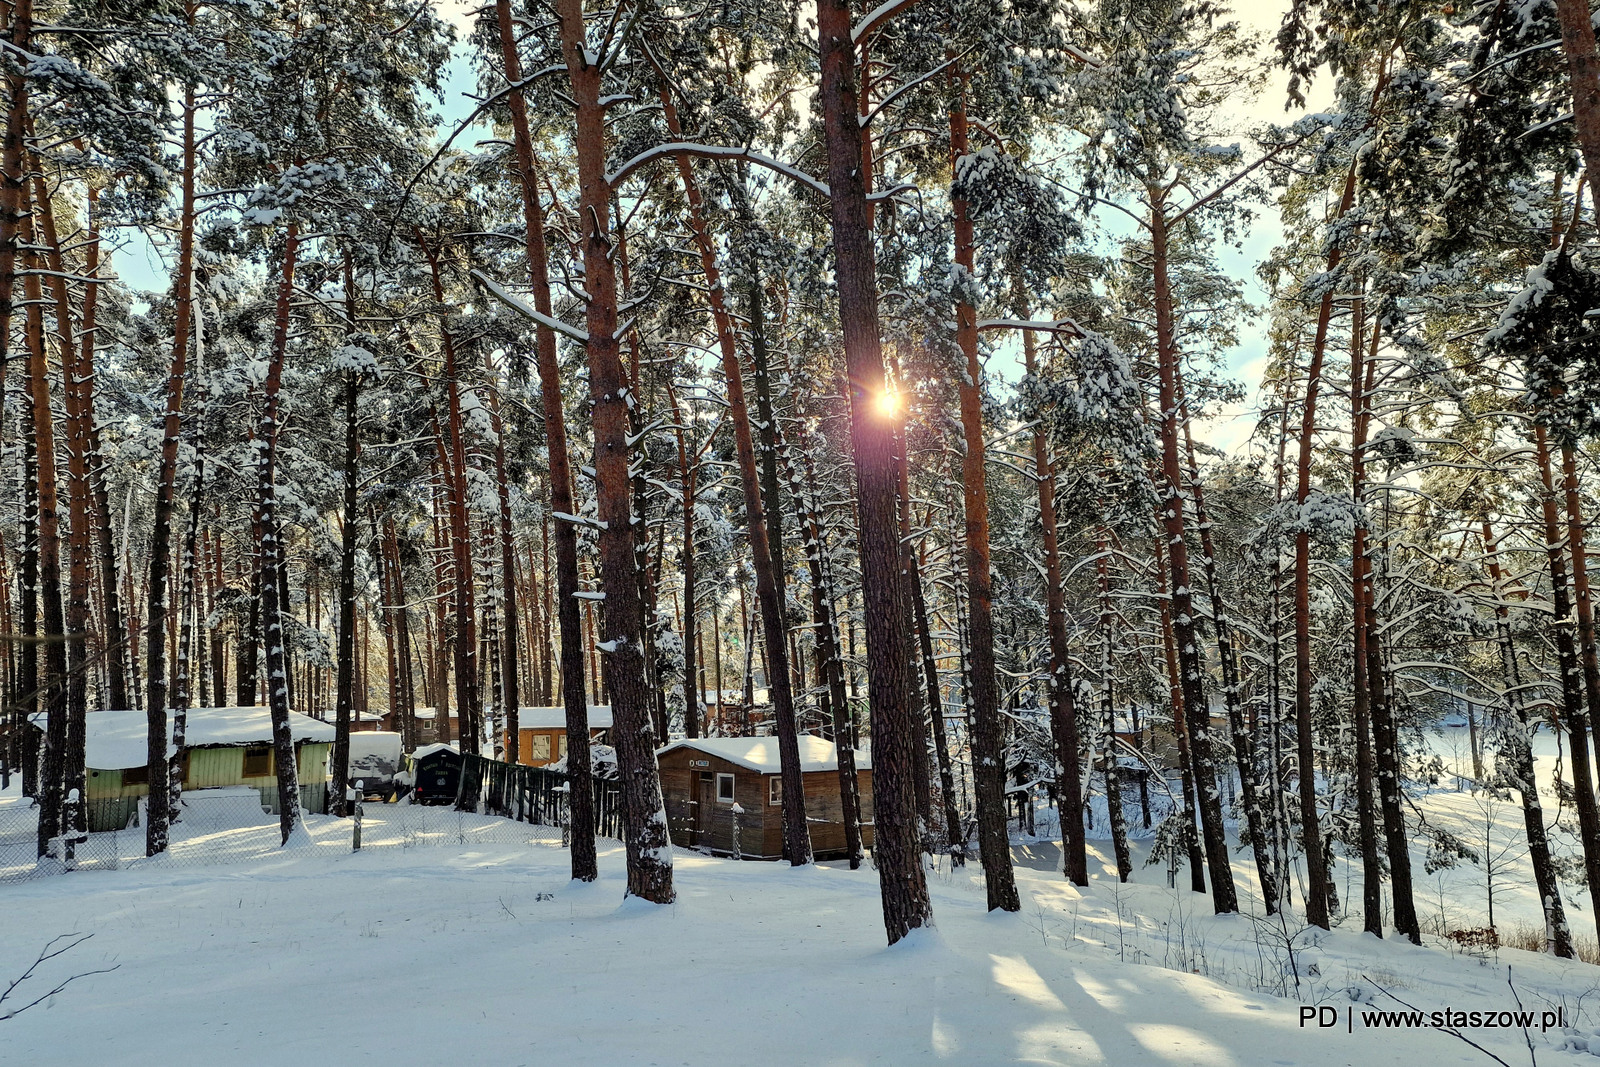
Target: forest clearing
(495,945)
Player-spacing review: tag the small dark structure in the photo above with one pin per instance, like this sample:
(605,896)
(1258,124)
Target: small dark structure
(717,786)
(435,774)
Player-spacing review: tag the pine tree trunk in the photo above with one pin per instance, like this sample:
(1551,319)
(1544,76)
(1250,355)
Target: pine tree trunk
(156,622)
(74,821)
(510,687)
(1180,728)
(830,661)
(273,605)
(453,462)
(440,646)
(569,621)
(955,842)
(693,700)
(1243,745)
(902,882)
(345,699)
(644,820)
(247,653)
(1063,712)
(988,749)
(115,625)
(1361,579)
(1583,64)
(1519,734)
(1185,634)
(1574,714)
(1582,601)
(1317,911)
(186,596)
(13,190)
(921,700)
(29,754)
(52,688)
(1386,741)
(402,625)
(1108,721)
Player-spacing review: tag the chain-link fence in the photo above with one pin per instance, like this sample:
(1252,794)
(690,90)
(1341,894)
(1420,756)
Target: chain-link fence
(233,826)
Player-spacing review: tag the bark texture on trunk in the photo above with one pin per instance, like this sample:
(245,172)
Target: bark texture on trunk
(901,879)
(1574,713)
(1196,710)
(644,818)
(273,605)
(1063,710)
(1519,733)
(988,743)
(1361,577)
(574,696)
(155,655)
(1310,826)
(345,683)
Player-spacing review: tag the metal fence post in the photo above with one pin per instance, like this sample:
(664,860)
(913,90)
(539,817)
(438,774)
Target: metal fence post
(356,829)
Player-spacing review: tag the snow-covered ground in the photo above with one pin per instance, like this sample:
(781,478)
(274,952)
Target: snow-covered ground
(486,953)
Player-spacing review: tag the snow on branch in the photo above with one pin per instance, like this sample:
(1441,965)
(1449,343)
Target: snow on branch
(1066,326)
(708,151)
(877,17)
(522,307)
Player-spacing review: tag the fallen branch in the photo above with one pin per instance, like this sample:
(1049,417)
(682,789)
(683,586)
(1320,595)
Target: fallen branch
(49,952)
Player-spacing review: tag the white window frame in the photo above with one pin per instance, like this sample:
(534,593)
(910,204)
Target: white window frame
(729,799)
(775,791)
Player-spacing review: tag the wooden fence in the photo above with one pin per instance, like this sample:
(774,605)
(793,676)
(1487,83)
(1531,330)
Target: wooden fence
(534,794)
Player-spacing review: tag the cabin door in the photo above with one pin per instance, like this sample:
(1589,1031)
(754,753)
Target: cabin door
(705,802)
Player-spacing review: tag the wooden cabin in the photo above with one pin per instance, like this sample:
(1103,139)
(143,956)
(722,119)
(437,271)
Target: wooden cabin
(713,784)
(222,747)
(542,733)
(427,724)
(362,722)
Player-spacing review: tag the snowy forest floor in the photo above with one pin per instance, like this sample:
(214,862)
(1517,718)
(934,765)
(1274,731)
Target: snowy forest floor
(487,953)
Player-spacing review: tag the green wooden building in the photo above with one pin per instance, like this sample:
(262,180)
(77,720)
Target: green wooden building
(224,747)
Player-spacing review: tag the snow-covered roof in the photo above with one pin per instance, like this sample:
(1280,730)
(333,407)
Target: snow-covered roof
(556,718)
(116,739)
(428,750)
(761,753)
(375,743)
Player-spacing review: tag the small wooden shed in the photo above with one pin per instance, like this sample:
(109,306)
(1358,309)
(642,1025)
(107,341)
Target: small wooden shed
(222,747)
(435,773)
(710,785)
(542,733)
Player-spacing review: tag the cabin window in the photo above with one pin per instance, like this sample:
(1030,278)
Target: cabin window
(539,747)
(136,776)
(725,788)
(775,790)
(257,761)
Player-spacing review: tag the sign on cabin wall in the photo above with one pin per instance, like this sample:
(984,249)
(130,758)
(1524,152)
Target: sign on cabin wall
(699,763)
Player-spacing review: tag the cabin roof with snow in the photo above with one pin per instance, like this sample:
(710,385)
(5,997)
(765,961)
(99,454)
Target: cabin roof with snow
(556,718)
(114,740)
(760,754)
